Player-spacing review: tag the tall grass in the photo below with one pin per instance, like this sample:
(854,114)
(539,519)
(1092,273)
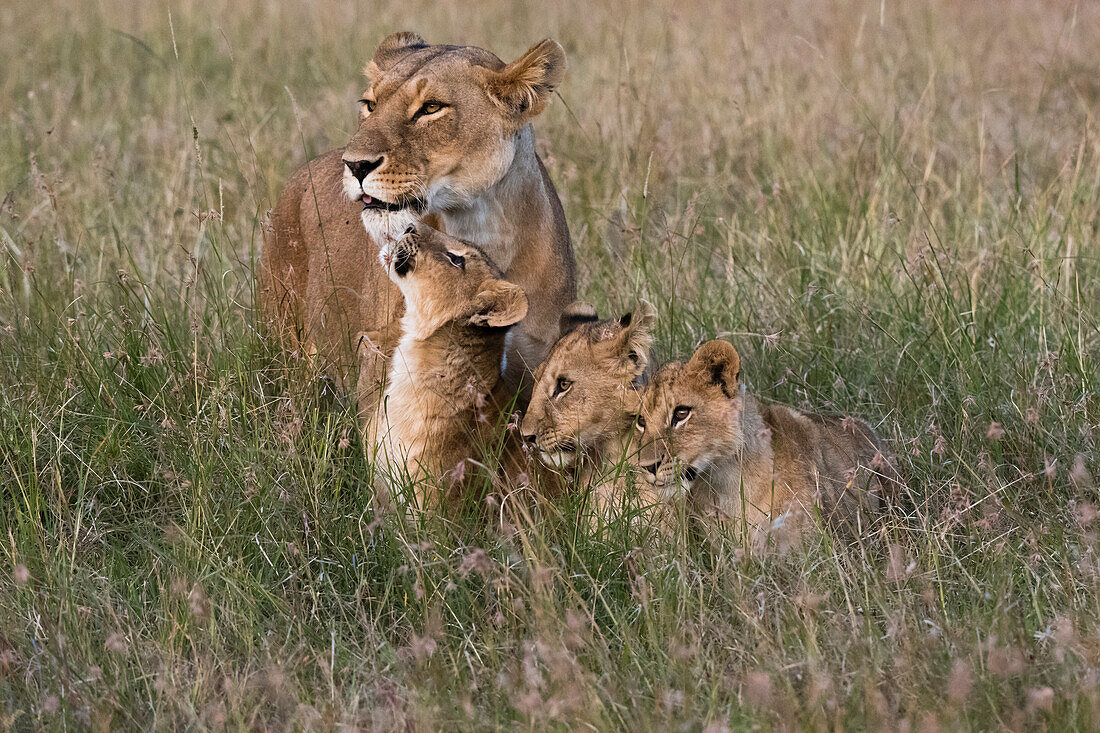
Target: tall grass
(891,209)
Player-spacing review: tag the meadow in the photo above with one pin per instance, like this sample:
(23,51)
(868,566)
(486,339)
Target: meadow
(891,209)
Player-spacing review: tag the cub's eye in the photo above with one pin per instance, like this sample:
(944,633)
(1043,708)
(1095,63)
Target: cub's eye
(428,108)
(680,414)
(562,386)
(640,423)
(368,103)
(455,259)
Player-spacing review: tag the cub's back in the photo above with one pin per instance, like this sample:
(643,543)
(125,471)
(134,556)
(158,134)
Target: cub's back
(838,463)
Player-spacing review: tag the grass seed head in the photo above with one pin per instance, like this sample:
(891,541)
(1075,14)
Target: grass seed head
(21,575)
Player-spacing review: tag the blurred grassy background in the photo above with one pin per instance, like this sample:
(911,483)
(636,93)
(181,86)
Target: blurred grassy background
(890,208)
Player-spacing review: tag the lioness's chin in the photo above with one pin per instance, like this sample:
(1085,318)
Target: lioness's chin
(386,227)
(557,459)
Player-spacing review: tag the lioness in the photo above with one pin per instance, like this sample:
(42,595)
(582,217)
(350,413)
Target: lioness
(444,135)
(586,394)
(444,396)
(759,466)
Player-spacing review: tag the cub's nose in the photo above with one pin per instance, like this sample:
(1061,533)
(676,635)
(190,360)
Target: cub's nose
(362,168)
(530,438)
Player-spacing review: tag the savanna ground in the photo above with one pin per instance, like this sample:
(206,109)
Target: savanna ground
(890,208)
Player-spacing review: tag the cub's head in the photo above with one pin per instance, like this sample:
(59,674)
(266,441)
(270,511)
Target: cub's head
(445,280)
(584,392)
(690,416)
(438,126)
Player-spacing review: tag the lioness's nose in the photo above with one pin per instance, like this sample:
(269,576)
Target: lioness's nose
(362,168)
(652,467)
(530,438)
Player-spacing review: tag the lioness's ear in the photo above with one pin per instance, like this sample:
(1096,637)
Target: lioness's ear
(637,336)
(523,87)
(390,49)
(717,362)
(574,315)
(499,303)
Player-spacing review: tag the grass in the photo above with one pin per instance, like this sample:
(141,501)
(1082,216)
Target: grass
(891,209)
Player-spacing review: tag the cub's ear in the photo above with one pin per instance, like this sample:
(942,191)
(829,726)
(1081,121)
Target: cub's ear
(637,336)
(523,87)
(574,315)
(499,303)
(717,363)
(390,49)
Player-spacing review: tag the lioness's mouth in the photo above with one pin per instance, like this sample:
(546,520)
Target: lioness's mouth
(371,203)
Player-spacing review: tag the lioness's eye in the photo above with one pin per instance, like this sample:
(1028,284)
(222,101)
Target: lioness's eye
(680,414)
(640,422)
(456,259)
(368,103)
(428,108)
(562,386)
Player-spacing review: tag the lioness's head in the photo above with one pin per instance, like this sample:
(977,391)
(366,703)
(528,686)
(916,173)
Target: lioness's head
(584,391)
(690,416)
(438,126)
(445,280)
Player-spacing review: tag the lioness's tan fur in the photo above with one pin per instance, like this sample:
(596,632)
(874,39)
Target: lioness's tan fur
(469,169)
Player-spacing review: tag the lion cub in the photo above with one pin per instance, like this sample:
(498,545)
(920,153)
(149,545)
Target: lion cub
(759,466)
(443,392)
(586,394)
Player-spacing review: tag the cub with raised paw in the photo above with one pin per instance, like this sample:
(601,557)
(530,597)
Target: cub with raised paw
(445,400)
